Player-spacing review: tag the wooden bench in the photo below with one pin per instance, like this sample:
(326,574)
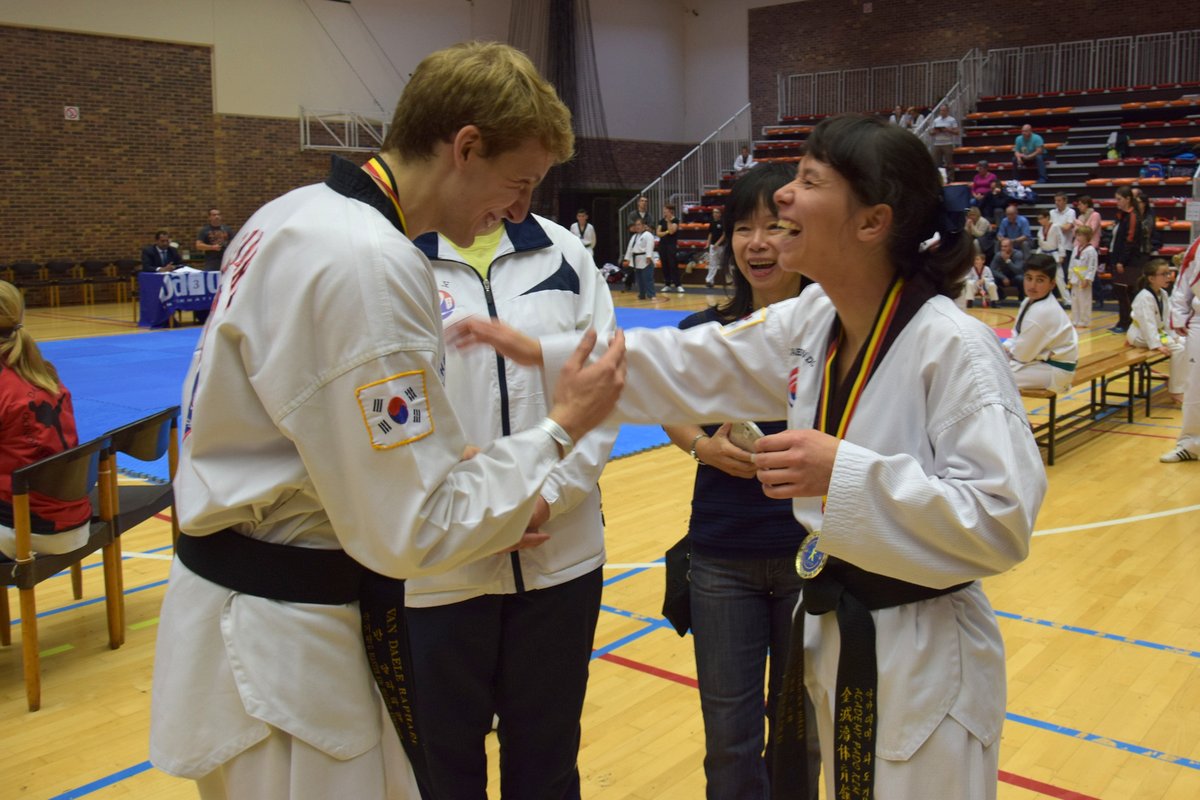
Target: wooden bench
(1100,370)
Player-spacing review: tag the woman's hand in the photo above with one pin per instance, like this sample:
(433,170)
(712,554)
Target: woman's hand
(796,463)
(507,341)
(717,451)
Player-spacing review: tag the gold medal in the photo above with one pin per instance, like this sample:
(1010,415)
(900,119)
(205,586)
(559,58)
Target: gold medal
(809,560)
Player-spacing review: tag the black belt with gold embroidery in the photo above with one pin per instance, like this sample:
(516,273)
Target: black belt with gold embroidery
(327,577)
(852,593)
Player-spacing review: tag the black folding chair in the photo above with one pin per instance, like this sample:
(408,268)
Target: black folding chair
(69,475)
(147,439)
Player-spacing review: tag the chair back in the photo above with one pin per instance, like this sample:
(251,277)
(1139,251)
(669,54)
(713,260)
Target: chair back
(93,268)
(69,475)
(26,269)
(147,439)
(127,266)
(59,268)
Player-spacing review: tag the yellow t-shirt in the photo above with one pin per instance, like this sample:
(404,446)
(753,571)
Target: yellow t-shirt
(482,251)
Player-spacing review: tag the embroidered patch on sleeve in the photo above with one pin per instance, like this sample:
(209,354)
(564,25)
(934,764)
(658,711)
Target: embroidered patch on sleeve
(746,322)
(396,409)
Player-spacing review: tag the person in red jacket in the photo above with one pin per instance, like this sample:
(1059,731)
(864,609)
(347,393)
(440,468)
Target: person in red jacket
(36,420)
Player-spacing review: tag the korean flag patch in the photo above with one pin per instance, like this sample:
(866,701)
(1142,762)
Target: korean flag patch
(396,409)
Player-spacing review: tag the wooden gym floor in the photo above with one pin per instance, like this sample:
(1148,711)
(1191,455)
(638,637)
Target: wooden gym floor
(1101,623)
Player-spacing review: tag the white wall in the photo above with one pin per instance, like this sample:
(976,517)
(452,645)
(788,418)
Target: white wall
(666,73)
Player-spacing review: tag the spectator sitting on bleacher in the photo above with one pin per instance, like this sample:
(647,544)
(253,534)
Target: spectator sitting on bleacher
(1086,214)
(981,232)
(944,137)
(897,115)
(981,183)
(37,420)
(1029,147)
(1014,226)
(1008,267)
(743,163)
(993,204)
(160,256)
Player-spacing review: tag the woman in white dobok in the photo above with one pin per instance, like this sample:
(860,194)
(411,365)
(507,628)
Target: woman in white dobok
(907,451)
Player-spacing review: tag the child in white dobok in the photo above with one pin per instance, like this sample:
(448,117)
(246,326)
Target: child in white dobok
(1151,310)
(1081,272)
(979,286)
(1044,347)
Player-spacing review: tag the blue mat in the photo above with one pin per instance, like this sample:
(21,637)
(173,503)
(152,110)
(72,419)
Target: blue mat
(636,438)
(115,380)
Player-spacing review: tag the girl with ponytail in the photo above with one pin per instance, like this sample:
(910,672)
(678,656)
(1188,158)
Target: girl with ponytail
(36,420)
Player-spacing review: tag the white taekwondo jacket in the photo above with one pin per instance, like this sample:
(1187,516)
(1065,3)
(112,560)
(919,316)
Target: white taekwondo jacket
(542,280)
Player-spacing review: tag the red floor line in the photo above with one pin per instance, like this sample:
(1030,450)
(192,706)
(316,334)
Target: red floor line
(1008,777)
(1043,788)
(649,670)
(163,517)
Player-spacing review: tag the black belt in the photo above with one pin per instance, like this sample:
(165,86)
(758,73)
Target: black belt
(852,593)
(326,577)
(274,571)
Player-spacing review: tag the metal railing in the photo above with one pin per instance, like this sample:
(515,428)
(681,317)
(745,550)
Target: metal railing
(1152,58)
(322,129)
(961,97)
(866,89)
(685,182)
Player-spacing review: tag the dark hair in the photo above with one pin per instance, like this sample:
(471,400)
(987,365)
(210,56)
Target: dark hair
(889,165)
(1085,199)
(159,233)
(1149,270)
(1040,262)
(756,188)
(1124,191)
(581,211)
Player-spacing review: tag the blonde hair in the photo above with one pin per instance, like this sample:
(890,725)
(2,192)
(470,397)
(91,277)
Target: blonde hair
(489,85)
(1084,230)
(18,350)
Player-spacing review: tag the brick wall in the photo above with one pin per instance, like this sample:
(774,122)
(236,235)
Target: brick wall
(147,151)
(825,35)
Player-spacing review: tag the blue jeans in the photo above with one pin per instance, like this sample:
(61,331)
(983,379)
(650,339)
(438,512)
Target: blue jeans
(645,282)
(741,614)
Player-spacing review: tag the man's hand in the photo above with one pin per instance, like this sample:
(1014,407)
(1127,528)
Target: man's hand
(586,395)
(533,537)
(796,463)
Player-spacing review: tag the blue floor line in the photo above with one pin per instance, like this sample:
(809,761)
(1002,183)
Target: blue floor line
(629,573)
(657,625)
(93,601)
(1128,747)
(104,782)
(1114,637)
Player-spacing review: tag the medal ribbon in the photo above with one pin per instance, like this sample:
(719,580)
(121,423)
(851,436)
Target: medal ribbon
(870,356)
(855,705)
(378,170)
